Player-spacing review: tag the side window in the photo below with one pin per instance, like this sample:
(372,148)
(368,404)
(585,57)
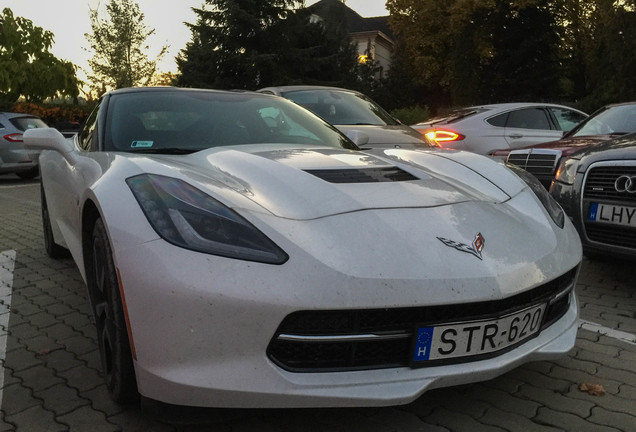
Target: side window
(567,119)
(529,118)
(87,134)
(498,120)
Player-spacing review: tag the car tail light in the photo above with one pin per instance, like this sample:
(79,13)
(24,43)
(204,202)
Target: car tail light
(14,137)
(439,136)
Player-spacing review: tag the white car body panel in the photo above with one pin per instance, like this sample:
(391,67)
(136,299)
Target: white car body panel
(200,324)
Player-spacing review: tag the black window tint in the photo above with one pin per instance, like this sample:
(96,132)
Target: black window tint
(26,123)
(567,119)
(87,135)
(499,121)
(529,118)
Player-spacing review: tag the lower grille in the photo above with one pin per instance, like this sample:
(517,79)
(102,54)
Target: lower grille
(339,340)
(615,235)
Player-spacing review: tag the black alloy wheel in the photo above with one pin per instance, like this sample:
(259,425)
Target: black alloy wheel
(112,334)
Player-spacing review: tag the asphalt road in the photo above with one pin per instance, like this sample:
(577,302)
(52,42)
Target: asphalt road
(50,378)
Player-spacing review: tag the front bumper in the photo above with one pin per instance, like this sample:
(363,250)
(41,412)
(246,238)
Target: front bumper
(201,324)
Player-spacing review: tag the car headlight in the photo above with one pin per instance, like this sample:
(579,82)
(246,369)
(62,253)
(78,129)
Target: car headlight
(567,171)
(552,207)
(189,218)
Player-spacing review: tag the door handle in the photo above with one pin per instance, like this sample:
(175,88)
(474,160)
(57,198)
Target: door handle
(516,136)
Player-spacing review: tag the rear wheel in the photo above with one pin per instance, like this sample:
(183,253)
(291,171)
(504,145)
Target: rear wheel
(52,249)
(112,334)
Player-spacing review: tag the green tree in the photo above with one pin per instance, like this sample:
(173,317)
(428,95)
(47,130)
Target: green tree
(525,62)
(467,51)
(235,43)
(27,68)
(249,44)
(119,47)
(610,54)
(321,52)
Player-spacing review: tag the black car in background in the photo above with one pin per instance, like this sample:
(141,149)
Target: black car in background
(597,189)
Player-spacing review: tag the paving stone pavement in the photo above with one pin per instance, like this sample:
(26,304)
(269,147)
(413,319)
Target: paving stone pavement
(52,376)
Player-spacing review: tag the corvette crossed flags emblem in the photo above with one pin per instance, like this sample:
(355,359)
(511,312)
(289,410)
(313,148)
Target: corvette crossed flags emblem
(474,249)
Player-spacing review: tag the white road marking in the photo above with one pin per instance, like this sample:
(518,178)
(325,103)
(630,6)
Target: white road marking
(616,334)
(7,263)
(15,186)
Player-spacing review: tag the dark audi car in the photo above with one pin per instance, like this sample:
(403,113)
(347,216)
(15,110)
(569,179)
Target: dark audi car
(597,189)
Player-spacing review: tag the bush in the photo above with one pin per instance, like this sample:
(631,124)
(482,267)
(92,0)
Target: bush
(55,115)
(411,115)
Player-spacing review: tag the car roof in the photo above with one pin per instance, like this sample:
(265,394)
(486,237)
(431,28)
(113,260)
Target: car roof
(290,88)
(513,105)
(162,89)
(14,114)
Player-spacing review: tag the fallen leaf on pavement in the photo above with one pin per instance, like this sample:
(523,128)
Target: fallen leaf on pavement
(592,389)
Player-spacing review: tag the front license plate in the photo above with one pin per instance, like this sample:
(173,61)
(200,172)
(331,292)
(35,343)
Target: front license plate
(619,215)
(476,337)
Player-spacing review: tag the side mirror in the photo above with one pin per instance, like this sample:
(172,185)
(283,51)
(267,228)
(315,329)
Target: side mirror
(358,138)
(49,139)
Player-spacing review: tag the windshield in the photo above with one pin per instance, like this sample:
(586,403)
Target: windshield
(619,120)
(182,121)
(340,107)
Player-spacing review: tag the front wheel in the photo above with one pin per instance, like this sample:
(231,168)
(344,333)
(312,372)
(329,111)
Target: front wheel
(112,334)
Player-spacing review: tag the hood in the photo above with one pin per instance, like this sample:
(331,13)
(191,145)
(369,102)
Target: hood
(566,146)
(622,148)
(397,136)
(571,144)
(309,183)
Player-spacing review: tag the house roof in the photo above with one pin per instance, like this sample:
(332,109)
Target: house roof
(354,22)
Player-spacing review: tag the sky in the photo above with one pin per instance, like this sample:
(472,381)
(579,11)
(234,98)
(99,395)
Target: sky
(68,21)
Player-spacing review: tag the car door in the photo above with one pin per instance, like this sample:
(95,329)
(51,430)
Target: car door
(529,126)
(64,184)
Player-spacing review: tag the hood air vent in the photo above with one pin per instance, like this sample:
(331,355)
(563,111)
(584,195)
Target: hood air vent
(366,175)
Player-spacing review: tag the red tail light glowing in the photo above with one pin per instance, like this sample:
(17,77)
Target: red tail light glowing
(439,136)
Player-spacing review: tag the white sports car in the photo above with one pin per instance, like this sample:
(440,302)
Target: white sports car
(241,252)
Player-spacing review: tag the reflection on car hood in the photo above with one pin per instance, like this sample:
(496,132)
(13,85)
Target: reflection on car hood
(566,146)
(620,148)
(301,183)
(572,144)
(389,136)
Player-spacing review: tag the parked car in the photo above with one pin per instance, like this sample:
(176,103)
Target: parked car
(542,160)
(485,128)
(14,157)
(596,187)
(235,262)
(354,114)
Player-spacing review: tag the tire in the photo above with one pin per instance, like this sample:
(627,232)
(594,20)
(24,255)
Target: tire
(29,174)
(112,333)
(53,249)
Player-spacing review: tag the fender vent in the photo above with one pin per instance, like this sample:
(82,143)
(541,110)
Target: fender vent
(366,175)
